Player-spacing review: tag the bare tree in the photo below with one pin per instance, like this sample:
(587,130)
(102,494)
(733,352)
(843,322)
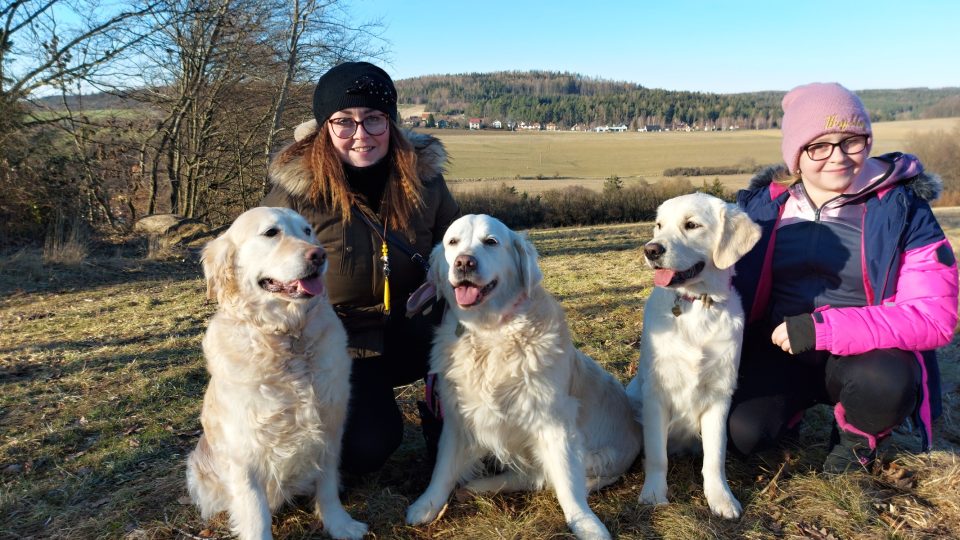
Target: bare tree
(49,46)
(45,44)
(221,73)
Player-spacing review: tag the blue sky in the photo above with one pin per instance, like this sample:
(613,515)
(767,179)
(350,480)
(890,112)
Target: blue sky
(710,46)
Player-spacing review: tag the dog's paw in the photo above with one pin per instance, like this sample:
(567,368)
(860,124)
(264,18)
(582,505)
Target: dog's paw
(423,510)
(722,502)
(349,529)
(588,527)
(654,492)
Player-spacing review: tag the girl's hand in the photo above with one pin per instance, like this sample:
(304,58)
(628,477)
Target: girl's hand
(780,338)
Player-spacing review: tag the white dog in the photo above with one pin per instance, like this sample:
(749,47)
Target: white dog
(692,334)
(274,411)
(514,387)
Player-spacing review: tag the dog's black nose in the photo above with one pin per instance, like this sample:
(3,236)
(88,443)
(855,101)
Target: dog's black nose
(653,250)
(316,256)
(465,263)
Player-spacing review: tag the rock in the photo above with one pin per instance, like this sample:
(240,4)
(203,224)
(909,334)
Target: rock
(156,223)
(173,231)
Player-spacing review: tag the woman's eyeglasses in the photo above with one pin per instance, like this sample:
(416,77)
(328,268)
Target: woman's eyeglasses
(822,150)
(344,128)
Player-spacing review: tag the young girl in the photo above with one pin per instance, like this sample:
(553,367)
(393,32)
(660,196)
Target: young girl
(850,289)
(367,186)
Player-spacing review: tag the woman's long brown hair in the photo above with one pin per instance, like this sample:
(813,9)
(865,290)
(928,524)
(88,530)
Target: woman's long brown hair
(402,197)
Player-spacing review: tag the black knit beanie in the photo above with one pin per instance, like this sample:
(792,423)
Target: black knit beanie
(354,84)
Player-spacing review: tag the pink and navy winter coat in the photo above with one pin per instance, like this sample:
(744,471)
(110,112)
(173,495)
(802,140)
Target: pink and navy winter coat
(908,298)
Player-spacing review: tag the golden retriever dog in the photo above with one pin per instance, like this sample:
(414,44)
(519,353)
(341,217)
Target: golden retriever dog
(513,386)
(274,410)
(692,334)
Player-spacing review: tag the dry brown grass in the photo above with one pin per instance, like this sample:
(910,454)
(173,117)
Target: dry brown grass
(102,379)
(65,243)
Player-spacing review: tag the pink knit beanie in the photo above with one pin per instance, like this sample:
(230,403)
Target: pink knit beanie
(816,109)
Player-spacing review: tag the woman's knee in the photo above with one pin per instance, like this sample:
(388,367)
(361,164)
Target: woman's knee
(878,390)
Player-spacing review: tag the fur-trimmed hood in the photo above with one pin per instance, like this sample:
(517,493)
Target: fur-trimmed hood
(899,168)
(288,171)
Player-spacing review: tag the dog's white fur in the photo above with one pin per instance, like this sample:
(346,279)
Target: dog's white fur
(688,362)
(274,410)
(513,386)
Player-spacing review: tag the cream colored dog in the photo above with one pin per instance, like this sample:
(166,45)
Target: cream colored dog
(274,411)
(692,333)
(514,387)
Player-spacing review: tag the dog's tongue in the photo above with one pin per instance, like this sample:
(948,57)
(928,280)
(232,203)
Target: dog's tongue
(663,276)
(467,294)
(312,286)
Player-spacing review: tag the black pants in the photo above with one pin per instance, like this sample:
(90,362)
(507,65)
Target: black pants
(374,422)
(878,389)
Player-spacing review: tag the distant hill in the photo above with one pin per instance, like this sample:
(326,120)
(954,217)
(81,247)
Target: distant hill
(569,99)
(90,102)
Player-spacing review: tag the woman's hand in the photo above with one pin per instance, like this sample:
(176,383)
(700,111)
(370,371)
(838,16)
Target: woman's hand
(780,338)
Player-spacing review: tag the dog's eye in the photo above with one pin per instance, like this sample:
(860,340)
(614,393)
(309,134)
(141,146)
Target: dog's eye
(453,241)
(272,231)
(657,226)
(490,241)
(690,225)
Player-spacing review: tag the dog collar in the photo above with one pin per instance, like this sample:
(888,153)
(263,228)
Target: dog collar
(677,310)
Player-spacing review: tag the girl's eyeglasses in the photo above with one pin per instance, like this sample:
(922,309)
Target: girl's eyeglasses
(345,128)
(822,150)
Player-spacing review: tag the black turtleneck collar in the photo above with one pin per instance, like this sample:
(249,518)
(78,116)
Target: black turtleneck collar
(369,182)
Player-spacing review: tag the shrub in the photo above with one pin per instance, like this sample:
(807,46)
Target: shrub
(575,205)
(65,242)
(940,153)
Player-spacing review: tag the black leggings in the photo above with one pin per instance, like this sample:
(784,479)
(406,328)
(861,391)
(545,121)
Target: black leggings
(374,422)
(878,389)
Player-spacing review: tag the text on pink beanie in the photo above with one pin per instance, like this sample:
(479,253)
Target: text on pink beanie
(815,109)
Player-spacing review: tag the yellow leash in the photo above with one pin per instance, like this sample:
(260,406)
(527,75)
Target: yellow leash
(386,274)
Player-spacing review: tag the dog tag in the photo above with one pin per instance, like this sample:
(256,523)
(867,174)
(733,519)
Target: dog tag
(676,310)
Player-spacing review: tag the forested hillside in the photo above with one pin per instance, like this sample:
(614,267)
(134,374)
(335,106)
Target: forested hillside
(569,99)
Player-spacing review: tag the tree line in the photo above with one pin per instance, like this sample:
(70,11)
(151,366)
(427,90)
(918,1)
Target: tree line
(570,99)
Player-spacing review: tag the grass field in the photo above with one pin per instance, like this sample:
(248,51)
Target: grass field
(102,380)
(575,158)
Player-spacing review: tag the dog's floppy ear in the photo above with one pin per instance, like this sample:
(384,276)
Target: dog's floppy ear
(436,274)
(737,236)
(218,268)
(530,275)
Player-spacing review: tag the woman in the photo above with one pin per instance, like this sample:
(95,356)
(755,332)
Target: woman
(851,287)
(369,189)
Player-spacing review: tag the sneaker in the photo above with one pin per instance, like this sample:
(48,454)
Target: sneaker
(852,452)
